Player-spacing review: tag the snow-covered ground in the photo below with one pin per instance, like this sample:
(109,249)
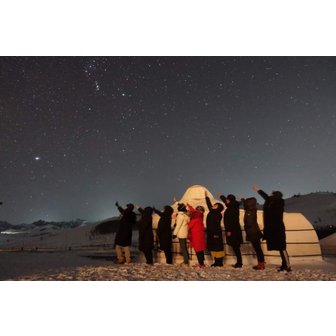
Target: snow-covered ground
(85,265)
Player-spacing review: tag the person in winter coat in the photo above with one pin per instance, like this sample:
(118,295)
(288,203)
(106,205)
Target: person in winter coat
(146,236)
(234,236)
(215,242)
(274,227)
(181,231)
(123,239)
(196,233)
(164,232)
(252,230)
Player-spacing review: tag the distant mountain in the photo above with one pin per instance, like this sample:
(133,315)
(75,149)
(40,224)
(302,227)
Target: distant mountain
(70,224)
(5,226)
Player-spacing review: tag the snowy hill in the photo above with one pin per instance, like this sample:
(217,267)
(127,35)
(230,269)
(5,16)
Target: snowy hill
(40,224)
(59,236)
(319,208)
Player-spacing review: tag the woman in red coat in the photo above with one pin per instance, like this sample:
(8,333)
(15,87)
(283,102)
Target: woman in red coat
(196,233)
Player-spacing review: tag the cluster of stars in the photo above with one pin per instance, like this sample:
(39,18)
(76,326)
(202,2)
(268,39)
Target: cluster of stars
(110,127)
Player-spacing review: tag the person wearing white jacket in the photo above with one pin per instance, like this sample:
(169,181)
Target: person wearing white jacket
(181,231)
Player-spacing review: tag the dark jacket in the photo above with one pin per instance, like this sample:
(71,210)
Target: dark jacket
(124,232)
(164,230)
(213,227)
(274,227)
(231,221)
(146,236)
(251,226)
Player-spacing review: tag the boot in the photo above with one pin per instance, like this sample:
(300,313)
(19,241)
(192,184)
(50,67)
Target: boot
(237,265)
(284,268)
(216,263)
(260,266)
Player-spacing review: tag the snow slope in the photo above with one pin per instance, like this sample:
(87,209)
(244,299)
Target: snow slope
(318,208)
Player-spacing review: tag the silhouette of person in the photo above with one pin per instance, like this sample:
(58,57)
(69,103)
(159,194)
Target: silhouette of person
(123,239)
(215,242)
(252,230)
(233,232)
(146,236)
(274,227)
(164,232)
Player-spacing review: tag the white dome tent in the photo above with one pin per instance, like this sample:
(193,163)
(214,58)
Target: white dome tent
(302,240)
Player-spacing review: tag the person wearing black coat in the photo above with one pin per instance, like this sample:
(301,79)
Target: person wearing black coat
(234,236)
(164,232)
(252,230)
(123,239)
(146,236)
(274,227)
(215,242)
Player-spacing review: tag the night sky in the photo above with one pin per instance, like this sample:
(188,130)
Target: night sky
(79,133)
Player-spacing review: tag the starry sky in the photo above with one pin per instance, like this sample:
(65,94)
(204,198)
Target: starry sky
(79,133)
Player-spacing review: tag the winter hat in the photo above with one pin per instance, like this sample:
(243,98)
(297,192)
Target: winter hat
(181,207)
(200,208)
(168,210)
(148,211)
(130,206)
(231,197)
(250,203)
(220,207)
(277,194)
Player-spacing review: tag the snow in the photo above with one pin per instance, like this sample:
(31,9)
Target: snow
(87,265)
(108,296)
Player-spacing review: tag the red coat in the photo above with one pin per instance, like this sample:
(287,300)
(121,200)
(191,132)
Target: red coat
(196,233)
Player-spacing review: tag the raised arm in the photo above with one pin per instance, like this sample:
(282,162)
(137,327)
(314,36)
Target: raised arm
(121,210)
(190,207)
(158,212)
(208,202)
(223,198)
(260,192)
(263,194)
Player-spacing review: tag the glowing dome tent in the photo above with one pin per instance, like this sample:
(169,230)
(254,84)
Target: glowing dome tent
(194,195)
(301,238)
(302,241)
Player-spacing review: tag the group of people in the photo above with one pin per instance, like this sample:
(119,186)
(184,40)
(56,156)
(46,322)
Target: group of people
(188,225)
